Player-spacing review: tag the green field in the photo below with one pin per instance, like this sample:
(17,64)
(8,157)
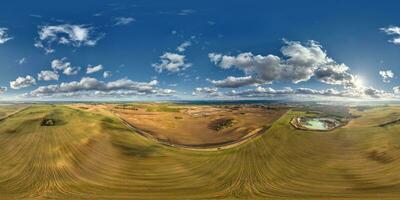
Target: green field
(93,156)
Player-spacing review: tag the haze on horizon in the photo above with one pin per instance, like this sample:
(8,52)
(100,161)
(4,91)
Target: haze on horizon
(180,50)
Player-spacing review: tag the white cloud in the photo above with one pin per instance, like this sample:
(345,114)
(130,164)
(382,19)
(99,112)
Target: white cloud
(107,74)
(164,92)
(299,63)
(4,35)
(337,74)
(182,47)
(120,21)
(21,61)
(60,64)
(3,90)
(215,58)
(396,90)
(94,69)
(22,82)
(129,93)
(206,91)
(35,16)
(395,31)
(171,62)
(95,87)
(260,92)
(48,75)
(71,71)
(66,34)
(235,82)
(375,93)
(186,12)
(386,75)
(64,66)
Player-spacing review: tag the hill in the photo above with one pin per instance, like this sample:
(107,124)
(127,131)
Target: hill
(93,155)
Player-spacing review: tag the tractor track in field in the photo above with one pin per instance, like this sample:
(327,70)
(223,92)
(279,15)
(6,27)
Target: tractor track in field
(14,113)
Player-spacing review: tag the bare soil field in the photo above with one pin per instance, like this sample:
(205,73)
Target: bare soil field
(199,125)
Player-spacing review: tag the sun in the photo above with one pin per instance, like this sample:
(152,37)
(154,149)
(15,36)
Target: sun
(358,81)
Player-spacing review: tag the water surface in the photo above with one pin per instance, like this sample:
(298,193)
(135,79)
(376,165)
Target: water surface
(316,124)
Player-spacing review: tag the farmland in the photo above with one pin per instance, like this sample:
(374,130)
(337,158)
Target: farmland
(199,126)
(89,153)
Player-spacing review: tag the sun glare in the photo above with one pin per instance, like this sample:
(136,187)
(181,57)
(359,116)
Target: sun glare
(359,82)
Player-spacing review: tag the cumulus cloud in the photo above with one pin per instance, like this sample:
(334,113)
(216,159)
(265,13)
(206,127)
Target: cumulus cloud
(120,21)
(48,75)
(66,34)
(94,69)
(270,92)
(22,82)
(107,74)
(299,63)
(4,35)
(336,75)
(375,93)
(171,62)
(235,82)
(64,66)
(260,92)
(396,90)
(164,92)
(71,71)
(93,86)
(386,75)
(3,90)
(182,47)
(215,58)
(206,91)
(395,31)
(121,93)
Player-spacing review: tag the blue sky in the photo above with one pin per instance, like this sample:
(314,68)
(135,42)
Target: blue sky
(228,50)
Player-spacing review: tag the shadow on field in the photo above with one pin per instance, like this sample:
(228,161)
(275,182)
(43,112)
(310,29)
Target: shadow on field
(120,136)
(58,117)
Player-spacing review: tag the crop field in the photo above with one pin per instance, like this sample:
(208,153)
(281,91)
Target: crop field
(89,153)
(9,109)
(199,126)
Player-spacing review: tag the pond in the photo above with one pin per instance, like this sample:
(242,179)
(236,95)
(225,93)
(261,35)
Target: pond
(316,124)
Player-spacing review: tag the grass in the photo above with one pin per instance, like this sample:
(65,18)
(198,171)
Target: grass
(93,156)
(161,107)
(220,124)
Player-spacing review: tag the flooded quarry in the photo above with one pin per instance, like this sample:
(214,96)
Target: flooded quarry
(315,123)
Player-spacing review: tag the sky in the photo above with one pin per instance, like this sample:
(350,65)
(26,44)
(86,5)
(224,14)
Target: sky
(189,50)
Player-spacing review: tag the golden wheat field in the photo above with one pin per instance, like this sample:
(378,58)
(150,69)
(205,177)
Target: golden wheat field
(93,155)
